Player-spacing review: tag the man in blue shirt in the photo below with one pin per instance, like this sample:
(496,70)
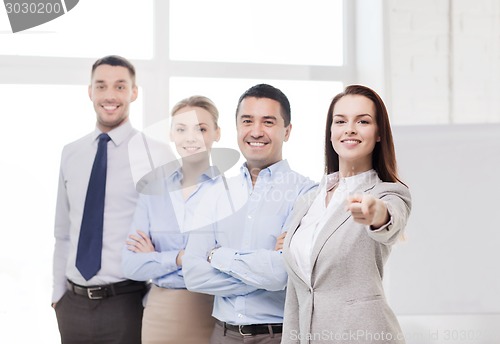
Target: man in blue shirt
(238,257)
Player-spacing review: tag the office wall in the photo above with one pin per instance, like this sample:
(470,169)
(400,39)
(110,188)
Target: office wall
(443,60)
(445,275)
(442,67)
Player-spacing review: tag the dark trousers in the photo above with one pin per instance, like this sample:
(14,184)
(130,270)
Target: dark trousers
(116,319)
(221,336)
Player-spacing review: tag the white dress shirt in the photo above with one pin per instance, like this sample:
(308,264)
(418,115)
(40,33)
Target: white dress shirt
(314,221)
(120,202)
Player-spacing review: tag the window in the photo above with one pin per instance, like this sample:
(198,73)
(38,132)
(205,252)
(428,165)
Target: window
(278,31)
(90,29)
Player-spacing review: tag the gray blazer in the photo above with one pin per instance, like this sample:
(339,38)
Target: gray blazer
(344,302)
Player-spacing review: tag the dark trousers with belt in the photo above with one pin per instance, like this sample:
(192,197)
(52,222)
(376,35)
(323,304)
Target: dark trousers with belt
(224,335)
(111,319)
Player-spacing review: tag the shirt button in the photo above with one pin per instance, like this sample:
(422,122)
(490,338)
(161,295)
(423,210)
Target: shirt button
(250,217)
(240,315)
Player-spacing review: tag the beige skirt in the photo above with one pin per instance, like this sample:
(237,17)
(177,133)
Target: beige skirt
(177,316)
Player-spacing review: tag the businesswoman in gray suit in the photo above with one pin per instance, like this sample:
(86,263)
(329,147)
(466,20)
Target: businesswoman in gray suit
(340,236)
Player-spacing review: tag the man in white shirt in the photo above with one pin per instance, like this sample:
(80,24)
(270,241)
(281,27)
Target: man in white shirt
(103,306)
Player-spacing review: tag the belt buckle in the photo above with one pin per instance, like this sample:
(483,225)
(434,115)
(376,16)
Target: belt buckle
(240,327)
(90,292)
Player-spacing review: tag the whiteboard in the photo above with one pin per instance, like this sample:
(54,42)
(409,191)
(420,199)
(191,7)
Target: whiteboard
(450,260)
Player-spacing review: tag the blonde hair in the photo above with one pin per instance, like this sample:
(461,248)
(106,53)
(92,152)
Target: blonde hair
(198,101)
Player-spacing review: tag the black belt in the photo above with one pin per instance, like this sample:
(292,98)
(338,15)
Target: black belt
(251,330)
(103,291)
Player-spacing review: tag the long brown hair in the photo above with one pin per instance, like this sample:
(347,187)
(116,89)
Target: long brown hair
(384,156)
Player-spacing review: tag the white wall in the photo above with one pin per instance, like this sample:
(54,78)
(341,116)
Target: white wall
(443,60)
(443,67)
(445,275)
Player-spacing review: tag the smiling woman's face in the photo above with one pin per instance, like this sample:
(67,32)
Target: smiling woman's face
(193,131)
(354,133)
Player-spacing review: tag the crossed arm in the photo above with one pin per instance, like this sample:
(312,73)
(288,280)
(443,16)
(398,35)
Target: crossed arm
(231,272)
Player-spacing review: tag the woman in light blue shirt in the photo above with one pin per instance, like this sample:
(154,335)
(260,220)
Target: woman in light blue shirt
(158,235)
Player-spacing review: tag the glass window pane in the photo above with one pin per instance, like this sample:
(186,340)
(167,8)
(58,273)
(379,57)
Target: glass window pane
(123,27)
(309,102)
(260,31)
(41,119)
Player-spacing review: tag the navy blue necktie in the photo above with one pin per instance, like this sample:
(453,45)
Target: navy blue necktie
(88,257)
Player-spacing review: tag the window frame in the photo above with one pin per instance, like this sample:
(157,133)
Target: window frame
(153,75)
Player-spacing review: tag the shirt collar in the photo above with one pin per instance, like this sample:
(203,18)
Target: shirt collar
(210,174)
(280,166)
(118,134)
(350,183)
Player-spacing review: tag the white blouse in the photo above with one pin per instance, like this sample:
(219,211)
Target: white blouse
(313,222)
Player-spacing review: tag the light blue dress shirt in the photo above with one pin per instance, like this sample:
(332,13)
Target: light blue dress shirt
(163,216)
(246,275)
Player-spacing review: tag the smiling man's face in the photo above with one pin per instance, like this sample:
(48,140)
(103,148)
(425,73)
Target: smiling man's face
(112,90)
(261,132)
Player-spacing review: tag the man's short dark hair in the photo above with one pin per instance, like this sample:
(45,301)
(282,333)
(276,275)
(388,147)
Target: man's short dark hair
(115,60)
(271,92)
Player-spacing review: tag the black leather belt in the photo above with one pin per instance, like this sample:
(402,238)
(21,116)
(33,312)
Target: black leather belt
(251,330)
(103,291)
